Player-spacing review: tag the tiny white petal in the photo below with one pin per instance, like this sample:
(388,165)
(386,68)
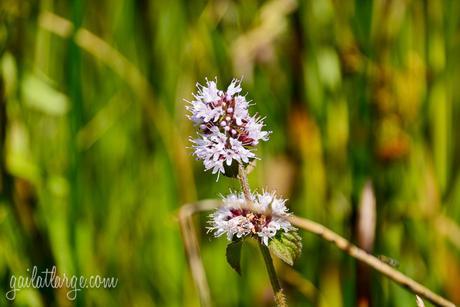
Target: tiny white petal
(215,146)
(236,218)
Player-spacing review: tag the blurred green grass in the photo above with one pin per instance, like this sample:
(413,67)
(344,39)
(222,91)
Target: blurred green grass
(93,140)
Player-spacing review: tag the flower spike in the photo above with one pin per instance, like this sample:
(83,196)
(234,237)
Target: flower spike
(227,133)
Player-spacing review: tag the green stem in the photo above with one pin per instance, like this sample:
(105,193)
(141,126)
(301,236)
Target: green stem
(280,299)
(270,268)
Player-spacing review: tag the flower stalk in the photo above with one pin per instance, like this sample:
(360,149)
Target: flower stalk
(227,136)
(242,176)
(280,298)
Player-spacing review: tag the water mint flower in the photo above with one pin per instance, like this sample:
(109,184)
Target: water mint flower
(227,133)
(262,218)
(227,136)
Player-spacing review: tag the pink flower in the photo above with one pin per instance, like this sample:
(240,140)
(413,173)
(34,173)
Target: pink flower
(227,133)
(264,218)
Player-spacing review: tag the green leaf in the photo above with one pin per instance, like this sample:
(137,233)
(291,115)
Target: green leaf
(233,255)
(287,246)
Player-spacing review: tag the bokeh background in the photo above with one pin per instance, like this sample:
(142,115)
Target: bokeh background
(363,98)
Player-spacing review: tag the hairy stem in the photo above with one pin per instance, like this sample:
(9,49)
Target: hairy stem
(243,177)
(280,299)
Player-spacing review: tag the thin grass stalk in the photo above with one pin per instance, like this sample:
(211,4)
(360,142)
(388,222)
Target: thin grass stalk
(352,250)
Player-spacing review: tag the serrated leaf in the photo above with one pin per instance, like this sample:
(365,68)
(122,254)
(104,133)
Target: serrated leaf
(287,246)
(294,238)
(233,254)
